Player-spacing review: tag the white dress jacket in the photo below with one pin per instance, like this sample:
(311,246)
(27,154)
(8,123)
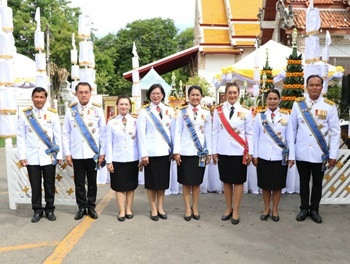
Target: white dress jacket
(222,142)
(121,141)
(264,146)
(150,142)
(29,145)
(183,141)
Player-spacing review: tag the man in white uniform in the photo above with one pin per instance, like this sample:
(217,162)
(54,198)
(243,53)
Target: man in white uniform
(317,132)
(84,124)
(39,149)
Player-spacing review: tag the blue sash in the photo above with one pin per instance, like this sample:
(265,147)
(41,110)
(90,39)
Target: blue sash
(276,139)
(52,147)
(310,121)
(202,151)
(87,135)
(161,130)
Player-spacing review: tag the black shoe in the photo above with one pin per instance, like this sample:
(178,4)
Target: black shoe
(92,213)
(275,218)
(264,217)
(316,217)
(121,218)
(234,221)
(163,216)
(129,216)
(226,217)
(36,217)
(196,217)
(51,216)
(187,218)
(79,215)
(302,215)
(154,217)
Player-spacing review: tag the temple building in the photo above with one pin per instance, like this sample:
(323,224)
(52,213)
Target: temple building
(225,32)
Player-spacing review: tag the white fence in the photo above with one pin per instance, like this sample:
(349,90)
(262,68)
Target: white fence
(336,183)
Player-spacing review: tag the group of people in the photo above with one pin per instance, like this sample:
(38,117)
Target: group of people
(273,141)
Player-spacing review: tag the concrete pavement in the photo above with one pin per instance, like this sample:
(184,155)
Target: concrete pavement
(141,240)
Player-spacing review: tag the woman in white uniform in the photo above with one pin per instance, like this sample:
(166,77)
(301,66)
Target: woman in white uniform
(155,148)
(122,156)
(232,148)
(273,152)
(192,149)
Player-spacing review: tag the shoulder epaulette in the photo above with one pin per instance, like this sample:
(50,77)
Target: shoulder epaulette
(134,115)
(218,106)
(112,117)
(73,104)
(96,104)
(169,105)
(53,110)
(329,102)
(28,108)
(300,99)
(145,106)
(284,111)
(246,107)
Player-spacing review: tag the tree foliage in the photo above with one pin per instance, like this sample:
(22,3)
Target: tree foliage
(57,18)
(155,38)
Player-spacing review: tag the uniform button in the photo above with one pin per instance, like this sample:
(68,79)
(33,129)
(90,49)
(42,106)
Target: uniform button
(310,145)
(310,135)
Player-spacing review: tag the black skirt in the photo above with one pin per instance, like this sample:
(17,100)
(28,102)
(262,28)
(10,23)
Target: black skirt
(271,174)
(125,176)
(189,173)
(157,173)
(232,170)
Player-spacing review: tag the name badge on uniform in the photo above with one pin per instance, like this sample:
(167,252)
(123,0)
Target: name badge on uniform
(283,121)
(321,114)
(241,115)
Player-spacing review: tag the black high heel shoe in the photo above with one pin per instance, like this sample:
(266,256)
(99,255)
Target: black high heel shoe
(154,217)
(264,217)
(226,217)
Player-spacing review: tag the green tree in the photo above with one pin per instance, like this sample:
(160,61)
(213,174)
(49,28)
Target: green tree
(202,82)
(155,39)
(58,17)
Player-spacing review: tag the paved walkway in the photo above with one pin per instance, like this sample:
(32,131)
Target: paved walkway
(141,240)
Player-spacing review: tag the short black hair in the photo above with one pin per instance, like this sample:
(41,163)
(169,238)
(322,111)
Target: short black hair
(39,90)
(154,86)
(314,76)
(83,84)
(124,96)
(194,87)
(234,84)
(274,91)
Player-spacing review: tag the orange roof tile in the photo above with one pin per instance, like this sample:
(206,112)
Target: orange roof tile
(240,9)
(214,12)
(329,19)
(217,36)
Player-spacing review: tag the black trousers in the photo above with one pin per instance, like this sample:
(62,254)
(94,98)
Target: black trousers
(36,172)
(85,168)
(305,170)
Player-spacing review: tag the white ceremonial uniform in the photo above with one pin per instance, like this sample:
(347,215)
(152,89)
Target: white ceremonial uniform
(222,142)
(29,145)
(121,141)
(326,117)
(74,143)
(183,141)
(264,146)
(150,141)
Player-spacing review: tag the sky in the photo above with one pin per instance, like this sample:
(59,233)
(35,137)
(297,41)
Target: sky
(111,15)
